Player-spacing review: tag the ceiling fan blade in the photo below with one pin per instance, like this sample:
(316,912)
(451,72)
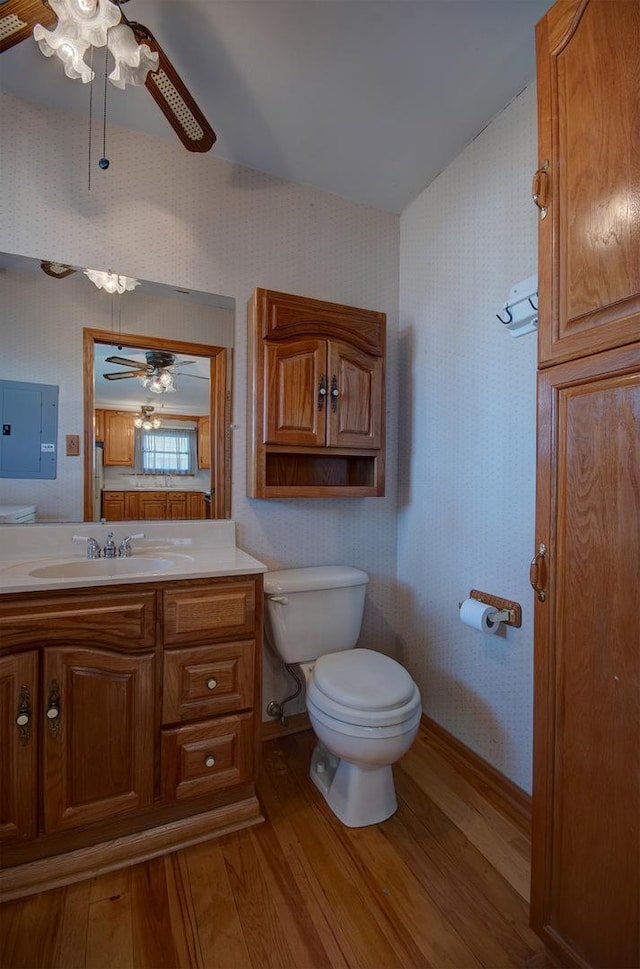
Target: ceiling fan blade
(19,17)
(172,97)
(125,374)
(126,362)
(193,376)
(56,269)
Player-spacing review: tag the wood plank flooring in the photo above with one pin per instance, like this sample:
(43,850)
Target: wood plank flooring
(443,883)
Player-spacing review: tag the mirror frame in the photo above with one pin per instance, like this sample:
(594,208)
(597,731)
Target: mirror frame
(220,363)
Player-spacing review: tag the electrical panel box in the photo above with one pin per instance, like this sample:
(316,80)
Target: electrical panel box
(28,430)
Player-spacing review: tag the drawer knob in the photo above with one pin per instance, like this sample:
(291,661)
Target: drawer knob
(209,760)
(212,684)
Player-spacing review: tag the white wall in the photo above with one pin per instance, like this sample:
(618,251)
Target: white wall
(459,386)
(161,213)
(467,439)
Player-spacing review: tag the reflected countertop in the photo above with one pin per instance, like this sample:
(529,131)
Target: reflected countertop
(46,557)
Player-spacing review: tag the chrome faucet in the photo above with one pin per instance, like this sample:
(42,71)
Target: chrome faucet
(109,550)
(93,548)
(124,548)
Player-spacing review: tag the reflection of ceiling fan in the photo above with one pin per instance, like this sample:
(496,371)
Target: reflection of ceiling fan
(139,58)
(156,374)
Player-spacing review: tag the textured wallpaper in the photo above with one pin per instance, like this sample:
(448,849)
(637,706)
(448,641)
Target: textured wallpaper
(458,513)
(161,213)
(467,439)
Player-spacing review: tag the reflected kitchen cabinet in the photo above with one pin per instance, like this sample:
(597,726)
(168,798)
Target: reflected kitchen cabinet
(118,439)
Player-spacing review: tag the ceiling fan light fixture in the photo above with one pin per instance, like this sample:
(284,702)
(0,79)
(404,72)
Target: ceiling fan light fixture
(133,61)
(159,383)
(145,421)
(111,282)
(81,24)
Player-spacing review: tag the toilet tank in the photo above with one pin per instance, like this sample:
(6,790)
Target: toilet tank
(313,611)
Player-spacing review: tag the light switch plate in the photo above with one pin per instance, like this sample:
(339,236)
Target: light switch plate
(73,444)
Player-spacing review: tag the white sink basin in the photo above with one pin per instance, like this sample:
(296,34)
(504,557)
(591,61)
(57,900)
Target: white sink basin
(89,568)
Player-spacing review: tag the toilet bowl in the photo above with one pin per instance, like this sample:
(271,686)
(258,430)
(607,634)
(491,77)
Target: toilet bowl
(363,706)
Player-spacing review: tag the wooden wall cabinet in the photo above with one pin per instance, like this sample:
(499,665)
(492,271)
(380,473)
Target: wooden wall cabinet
(118,439)
(585,899)
(316,398)
(128,723)
(204,442)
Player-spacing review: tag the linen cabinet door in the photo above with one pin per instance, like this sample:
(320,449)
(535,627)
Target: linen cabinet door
(589,182)
(585,899)
(98,735)
(18,746)
(295,392)
(355,398)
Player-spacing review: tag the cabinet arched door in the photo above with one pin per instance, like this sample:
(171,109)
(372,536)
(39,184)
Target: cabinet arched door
(97,735)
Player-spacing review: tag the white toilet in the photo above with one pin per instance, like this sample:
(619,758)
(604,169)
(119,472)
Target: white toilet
(363,706)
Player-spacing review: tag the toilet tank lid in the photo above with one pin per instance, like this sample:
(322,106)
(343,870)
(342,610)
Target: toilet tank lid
(311,579)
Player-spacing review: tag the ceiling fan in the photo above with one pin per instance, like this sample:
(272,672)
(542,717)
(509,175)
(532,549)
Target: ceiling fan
(156,374)
(139,58)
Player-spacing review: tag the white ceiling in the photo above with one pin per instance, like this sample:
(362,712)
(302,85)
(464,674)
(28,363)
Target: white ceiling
(368,99)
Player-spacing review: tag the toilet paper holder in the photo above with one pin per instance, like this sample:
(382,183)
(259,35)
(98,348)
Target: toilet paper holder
(508,611)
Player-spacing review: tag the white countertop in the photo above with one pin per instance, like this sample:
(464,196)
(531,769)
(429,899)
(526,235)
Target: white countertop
(169,550)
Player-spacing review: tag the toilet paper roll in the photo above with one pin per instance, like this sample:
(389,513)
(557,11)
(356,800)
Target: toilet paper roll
(477,615)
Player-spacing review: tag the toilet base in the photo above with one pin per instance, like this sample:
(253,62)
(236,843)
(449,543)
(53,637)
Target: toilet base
(358,796)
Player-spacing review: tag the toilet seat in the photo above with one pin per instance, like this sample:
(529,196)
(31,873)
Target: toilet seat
(363,688)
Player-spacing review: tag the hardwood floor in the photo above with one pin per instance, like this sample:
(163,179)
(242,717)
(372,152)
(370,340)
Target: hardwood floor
(443,883)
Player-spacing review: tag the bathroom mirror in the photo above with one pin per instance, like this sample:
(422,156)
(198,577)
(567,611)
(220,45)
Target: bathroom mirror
(59,329)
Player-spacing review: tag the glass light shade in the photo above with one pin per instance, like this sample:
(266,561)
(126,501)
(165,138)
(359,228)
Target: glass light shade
(70,47)
(159,383)
(133,60)
(111,282)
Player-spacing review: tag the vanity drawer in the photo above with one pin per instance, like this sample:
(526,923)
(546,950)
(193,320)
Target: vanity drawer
(225,610)
(204,758)
(202,681)
(121,620)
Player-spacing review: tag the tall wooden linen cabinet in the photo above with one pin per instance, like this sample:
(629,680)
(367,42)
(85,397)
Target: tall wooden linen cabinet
(586,568)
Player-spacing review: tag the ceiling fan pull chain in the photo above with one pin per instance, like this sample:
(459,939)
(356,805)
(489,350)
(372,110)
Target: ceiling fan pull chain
(90,120)
(104,161)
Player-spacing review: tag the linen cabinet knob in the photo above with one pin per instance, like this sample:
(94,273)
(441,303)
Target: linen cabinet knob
(212,684)
(209,760)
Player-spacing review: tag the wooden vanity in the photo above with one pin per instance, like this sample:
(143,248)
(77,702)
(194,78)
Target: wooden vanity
(130,717)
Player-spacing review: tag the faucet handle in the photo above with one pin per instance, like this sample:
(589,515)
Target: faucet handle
(124,548)
(93,548)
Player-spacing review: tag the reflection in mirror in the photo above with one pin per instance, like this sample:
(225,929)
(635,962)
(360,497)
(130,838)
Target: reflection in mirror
(60,330)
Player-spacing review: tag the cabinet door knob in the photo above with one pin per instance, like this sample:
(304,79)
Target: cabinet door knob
(335,393)
(540,188)
(322,391)
(209,760)
(23,716)
(537,572)
(212,684)
(53,707)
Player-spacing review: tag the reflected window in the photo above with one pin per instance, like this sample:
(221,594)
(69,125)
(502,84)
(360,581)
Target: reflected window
(166,451)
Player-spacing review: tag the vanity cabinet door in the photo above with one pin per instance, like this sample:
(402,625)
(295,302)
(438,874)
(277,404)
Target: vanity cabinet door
(98,735)
(19,745)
